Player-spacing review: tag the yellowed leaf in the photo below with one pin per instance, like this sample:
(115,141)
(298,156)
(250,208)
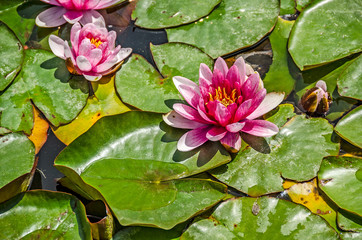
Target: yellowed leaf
(39,133)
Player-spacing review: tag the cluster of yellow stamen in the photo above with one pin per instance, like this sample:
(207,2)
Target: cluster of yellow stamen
(223,97)
(96,42)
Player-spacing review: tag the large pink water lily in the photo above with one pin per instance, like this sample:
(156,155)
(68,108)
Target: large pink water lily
(72,11)
(93,53)
(226,102)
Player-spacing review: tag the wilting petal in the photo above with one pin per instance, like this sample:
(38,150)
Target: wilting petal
(93,78)
(240,64)
(271,101)
(52,2)
(205,72)
(322,84)
(57,46)
(222,114)
(52,17)
(188,89)
(92,16)
(216,133)
(193,139)
(188,112)
(83,64)
(260,128)
(220,65)
(235,127)
(232,140)
(242,110)
(73,16)
(175,120)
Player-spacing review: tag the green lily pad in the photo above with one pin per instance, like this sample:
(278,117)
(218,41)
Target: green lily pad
(296,153)
(338,175)
(11,56)
(261,218)
(17,158)
(281,114)
(349,127)
(43,215)
(44,80)
(301,4)
(278,78)
(140,85)
(233,25)
(349,81)
(163,13)
(326,25)
(287,7)
(348,221)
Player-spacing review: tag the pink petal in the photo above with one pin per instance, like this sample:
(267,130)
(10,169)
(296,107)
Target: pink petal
(107,3)
(232,140)
(222,114)
(74,36)
(204,115)
(188,112)
(322,84)
(91,4)
(111,39)
(92,16)
(232,108)
(113,60)
(205,72)
(95,56)
(93,78)
(175,120)
(250,86)
(240,64)
(73,16)
(216,133)
(233,75)
(56,44)
(83,64)
(249,70)
(68,4)
(271,101)
(188,89)
(217,78)
(85,47)
(256,101)
(235,127)
(260,128)
(52,2)
(242,110)
(204,86)
(221,65)
(52,17)
(193,139)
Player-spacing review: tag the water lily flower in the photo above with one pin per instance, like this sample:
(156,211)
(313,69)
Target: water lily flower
(226,102)
(93,53)
(316,100)
(72,11)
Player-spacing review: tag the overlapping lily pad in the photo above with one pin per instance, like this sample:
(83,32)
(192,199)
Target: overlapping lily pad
(349,82)
(260,218)
(349,221)
(313,36)
(278,78)
(44,80)
(17,159)
(233,25)
(11,58)
(342,174)
(43,215)
(140,85)
(163,13)
(296,153)
(287,7)
(349,127)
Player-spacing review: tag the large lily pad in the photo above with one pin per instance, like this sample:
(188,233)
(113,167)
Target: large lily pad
(349,127)
(296,152)
(342,175)
(43,215)
(233,25)
(260,218)
(349,83)
(17,159)
(278,78)
(287,7)
(164,13)
(44,80)
(11,56)
(313,36)
(140,85)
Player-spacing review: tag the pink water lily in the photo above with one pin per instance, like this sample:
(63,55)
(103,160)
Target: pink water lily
(226,102)
(93,53)
(72,11)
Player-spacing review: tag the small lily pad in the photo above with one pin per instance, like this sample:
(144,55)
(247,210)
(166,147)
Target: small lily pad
(313,36)
(349,127)
(233,25)
(43,215)
(287,7)
(349,84)
(338,175)
(164,13)
(260,218)
(296,152)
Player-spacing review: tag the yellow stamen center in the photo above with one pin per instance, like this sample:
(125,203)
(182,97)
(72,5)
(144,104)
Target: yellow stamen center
(96,42)
(223,97)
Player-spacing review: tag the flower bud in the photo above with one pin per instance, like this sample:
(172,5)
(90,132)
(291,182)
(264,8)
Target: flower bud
(316,100)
